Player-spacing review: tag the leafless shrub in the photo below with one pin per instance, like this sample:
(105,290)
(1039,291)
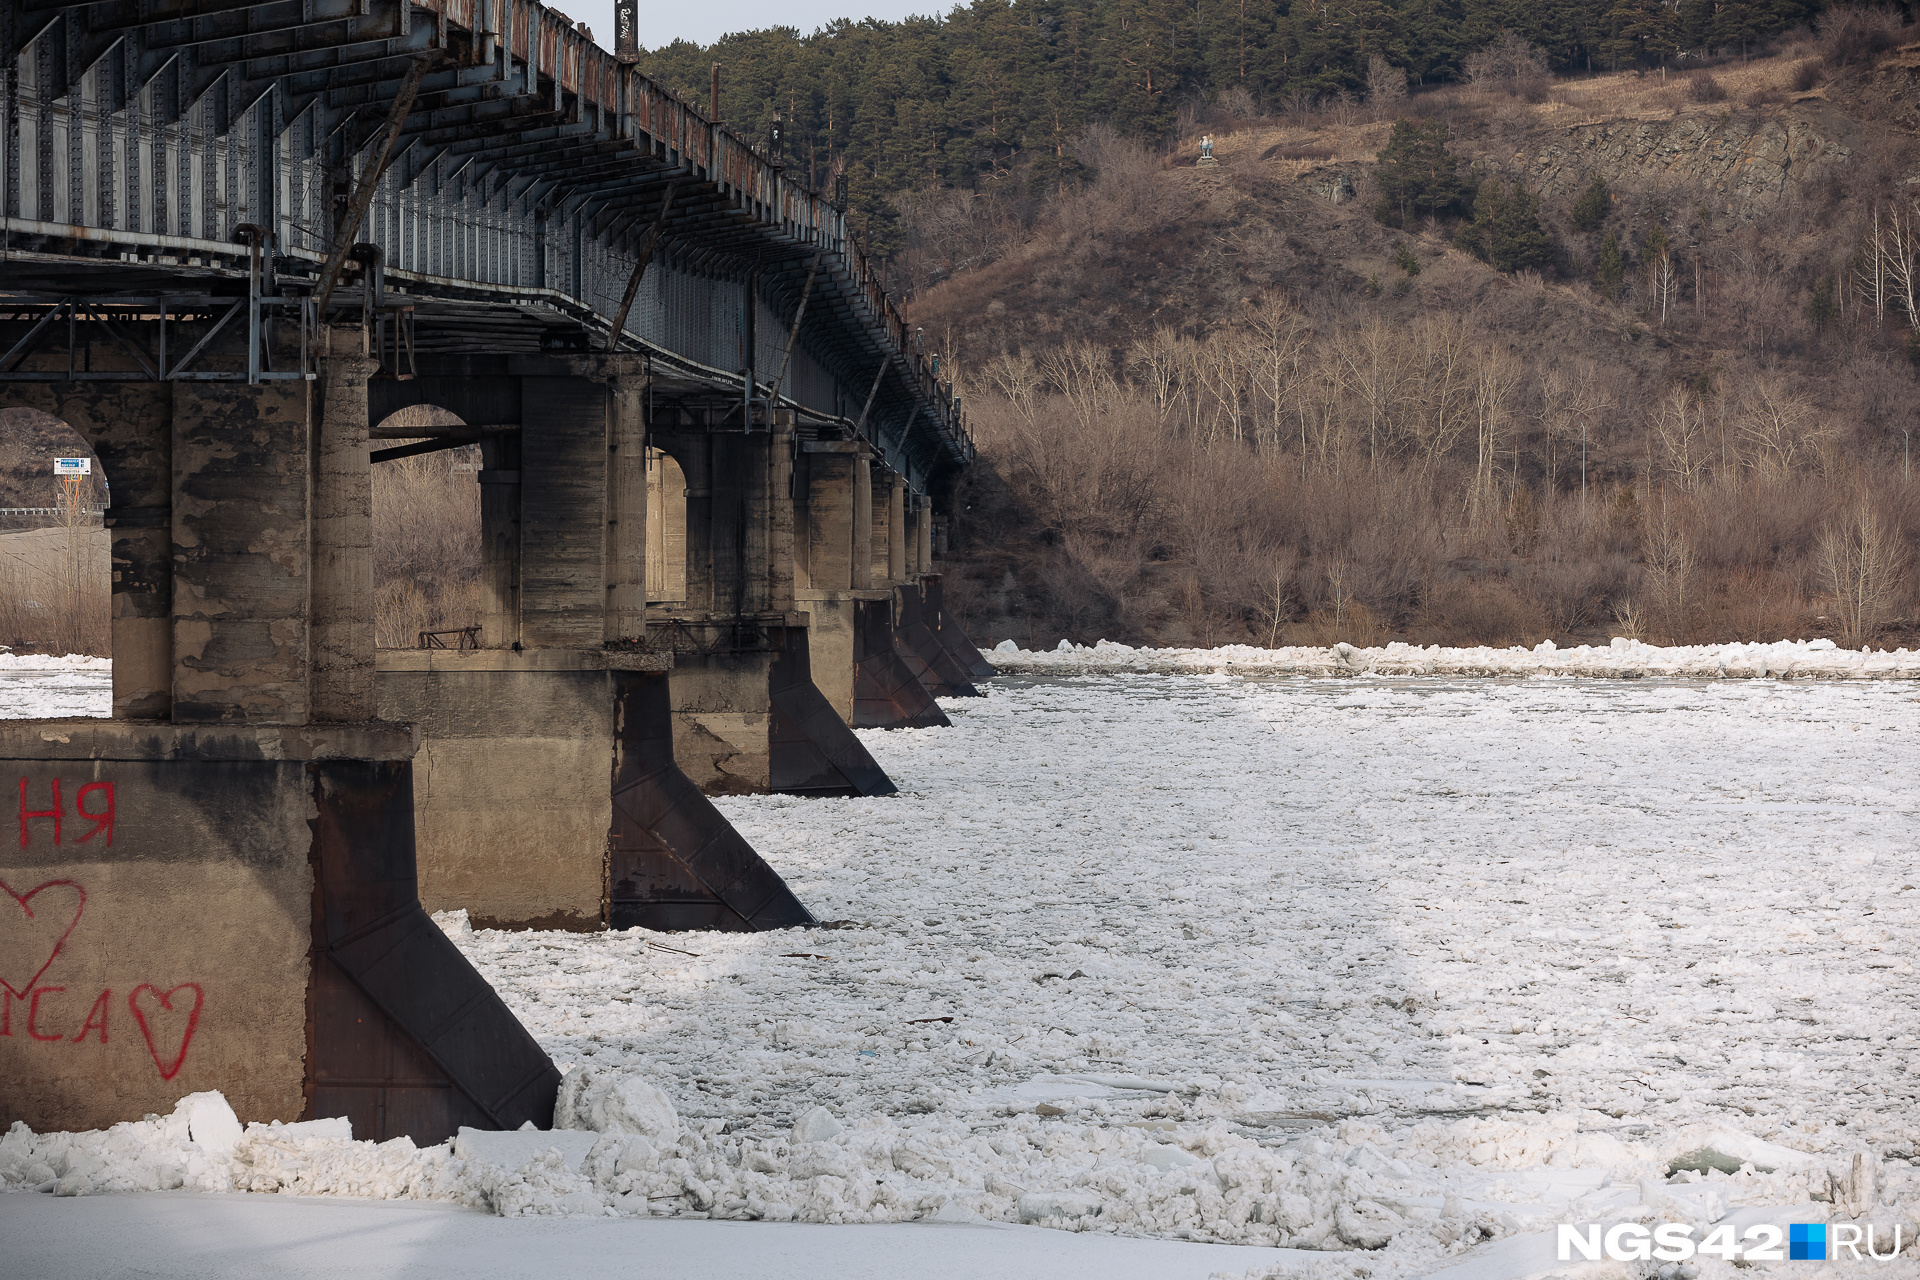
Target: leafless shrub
(1512,65)
(1849,35)
(1239,103)
(1806,75)
(1354,624)
(1673,561)
(1342,109)
(1752,604)
(1489,612)
(1123,192)
(1703,87)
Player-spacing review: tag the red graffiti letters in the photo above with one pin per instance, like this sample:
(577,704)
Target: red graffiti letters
(33,1014)
(26,813)
(101,816)
(167,1019)
(159,1029)
(33,927)
(102,820)
(96,1019)
(36,924)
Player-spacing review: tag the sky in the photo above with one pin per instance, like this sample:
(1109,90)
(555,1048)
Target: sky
(706,22)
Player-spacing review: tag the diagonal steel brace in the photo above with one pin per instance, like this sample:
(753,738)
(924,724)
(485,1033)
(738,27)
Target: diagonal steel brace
(343,235)
(640,268)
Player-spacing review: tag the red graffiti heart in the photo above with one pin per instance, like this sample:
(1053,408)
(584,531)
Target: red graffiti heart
(164,1001)
(31,934)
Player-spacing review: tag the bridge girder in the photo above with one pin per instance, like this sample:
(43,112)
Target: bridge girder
(531,160)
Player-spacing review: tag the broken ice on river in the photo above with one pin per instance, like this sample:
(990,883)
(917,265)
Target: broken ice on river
(1384,968)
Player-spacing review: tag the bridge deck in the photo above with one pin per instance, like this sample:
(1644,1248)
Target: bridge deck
(519,192)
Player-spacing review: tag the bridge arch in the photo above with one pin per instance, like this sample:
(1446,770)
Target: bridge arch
(426,526)
(55,563)
(666,529)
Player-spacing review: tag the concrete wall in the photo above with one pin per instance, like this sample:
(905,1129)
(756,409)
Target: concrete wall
(830,644)
(563,511)
(722,713)
(156,938)
(242,483)
(513,783)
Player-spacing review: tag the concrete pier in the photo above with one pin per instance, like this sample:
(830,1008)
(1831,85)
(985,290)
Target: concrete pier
(215,889)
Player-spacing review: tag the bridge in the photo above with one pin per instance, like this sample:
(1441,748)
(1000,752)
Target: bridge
(245,245)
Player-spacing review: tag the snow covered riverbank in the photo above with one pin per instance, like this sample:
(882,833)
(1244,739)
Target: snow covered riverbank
(47,687)
(1621,659)
(1379,968)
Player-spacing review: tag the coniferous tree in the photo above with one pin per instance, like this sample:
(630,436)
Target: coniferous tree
(1418,175)
(1593,206)
(1612,270)
(1640,31)
(1516,240)
(1476,234)
(1822,310)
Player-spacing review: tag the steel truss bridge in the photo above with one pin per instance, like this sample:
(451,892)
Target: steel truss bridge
(459,179)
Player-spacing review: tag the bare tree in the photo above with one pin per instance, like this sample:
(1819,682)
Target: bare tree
(1083,373)
(1671,563)
(1776,426)
(1015,376)
(1275,606)
(1861,561)
(1496,377)
(1373,362)
(1157,358)
(1680,428)
(1222,366)
(1386,84)
(1511,64)
(1900,253)
(1239,103)
(1279,340)
(1441,386)
(1870,267)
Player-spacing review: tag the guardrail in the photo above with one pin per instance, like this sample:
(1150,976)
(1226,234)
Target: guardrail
(522,161)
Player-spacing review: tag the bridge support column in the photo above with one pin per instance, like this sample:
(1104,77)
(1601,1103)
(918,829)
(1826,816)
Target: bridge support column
(897,551)
(233,882)
(747,715)
(130,426)
(887,693)
(862,565)
(948,631)
(242,539)
(923,537)
(626,543)
(342,589)
(500,540)
(723,653)
(919,657)
(831,541)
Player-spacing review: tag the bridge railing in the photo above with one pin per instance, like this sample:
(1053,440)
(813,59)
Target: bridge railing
(101,158)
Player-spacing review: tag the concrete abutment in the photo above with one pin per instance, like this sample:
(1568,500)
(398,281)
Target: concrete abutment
(215,889)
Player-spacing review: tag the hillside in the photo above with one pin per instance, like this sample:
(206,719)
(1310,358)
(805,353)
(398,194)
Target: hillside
(1325,424)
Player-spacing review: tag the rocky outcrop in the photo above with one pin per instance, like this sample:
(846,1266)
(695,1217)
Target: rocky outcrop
(1745,161)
